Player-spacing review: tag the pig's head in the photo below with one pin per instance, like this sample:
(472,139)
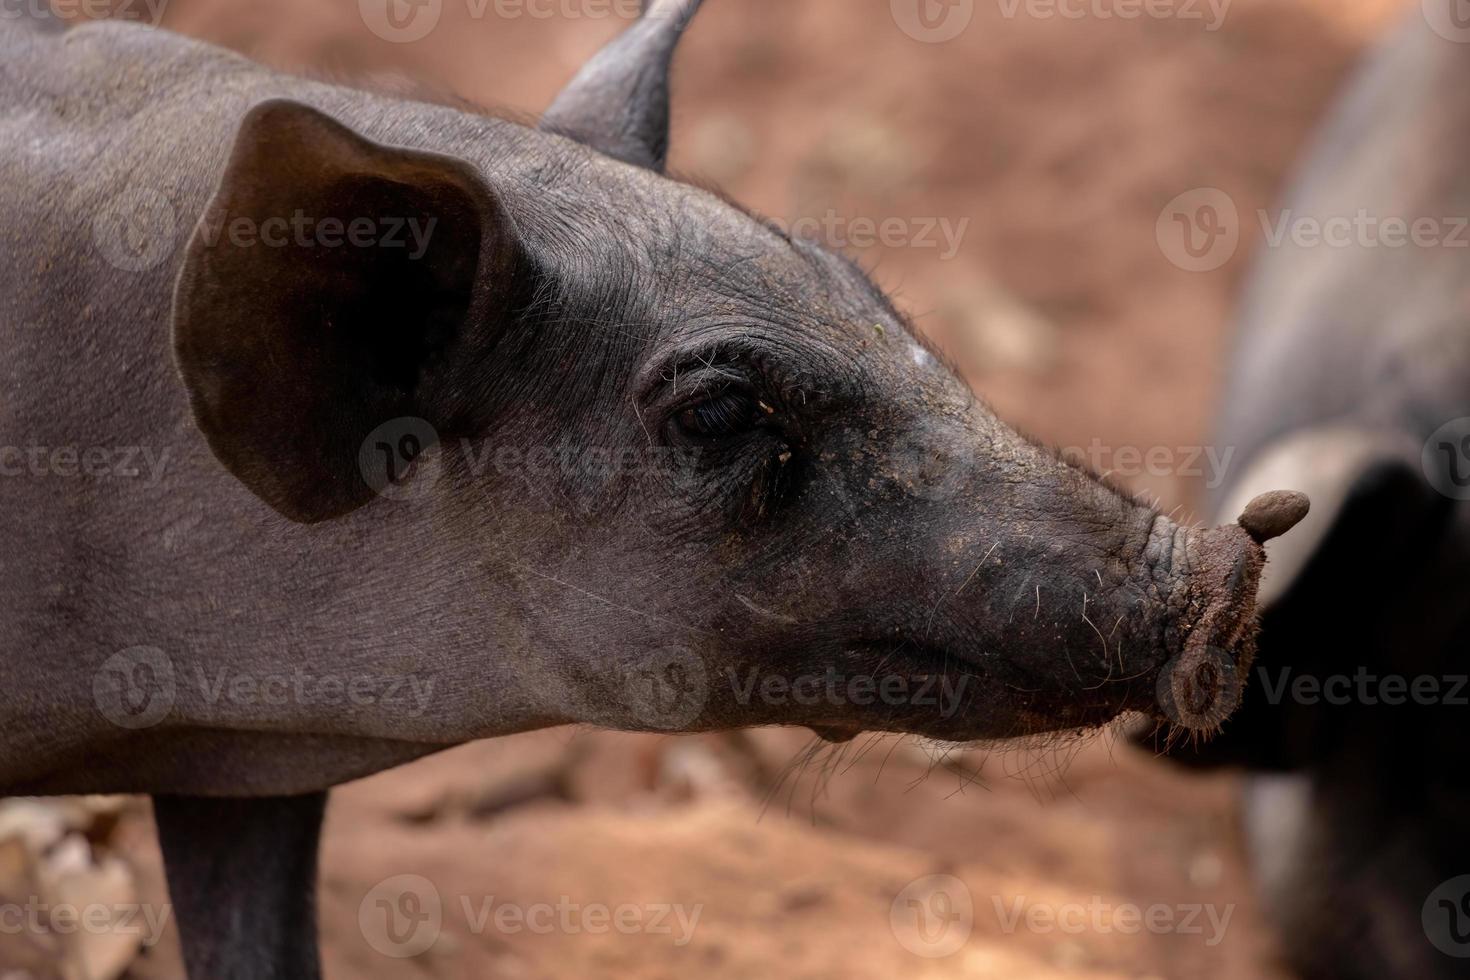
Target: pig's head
(674,451)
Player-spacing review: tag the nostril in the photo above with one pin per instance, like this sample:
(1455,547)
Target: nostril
(1200,689)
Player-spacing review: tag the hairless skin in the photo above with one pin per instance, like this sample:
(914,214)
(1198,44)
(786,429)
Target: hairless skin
(594,446)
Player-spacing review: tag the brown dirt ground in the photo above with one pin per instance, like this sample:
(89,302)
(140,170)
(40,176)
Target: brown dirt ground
(1061,140)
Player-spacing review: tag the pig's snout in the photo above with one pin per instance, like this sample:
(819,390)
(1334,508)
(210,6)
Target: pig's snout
(1201,687)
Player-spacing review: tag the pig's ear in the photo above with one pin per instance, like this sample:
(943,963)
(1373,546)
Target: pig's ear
(1369,497)
(335,285)
(618,103)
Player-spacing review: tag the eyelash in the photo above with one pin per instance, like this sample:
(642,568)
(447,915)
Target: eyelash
(722,421)
(721,417)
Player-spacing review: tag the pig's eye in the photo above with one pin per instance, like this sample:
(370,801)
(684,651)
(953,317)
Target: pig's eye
(721,417)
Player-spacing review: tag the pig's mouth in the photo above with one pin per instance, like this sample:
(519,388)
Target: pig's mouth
(943,695)
(937,694)
(1191,683)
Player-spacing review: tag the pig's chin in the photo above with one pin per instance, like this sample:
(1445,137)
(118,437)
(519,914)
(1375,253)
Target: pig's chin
(1191,682)
(1000,719)
(978,722)
(945,696)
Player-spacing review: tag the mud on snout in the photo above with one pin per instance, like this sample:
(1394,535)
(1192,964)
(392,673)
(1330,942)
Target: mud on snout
(1198,690)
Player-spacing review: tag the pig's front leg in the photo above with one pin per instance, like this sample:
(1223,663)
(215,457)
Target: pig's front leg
(242,878)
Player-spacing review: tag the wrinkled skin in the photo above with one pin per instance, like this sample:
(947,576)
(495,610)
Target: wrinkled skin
(867,516)
(379,516)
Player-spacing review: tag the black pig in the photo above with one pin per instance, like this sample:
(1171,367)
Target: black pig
(455,428)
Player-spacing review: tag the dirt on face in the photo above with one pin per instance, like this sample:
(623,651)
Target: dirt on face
(1012,185)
